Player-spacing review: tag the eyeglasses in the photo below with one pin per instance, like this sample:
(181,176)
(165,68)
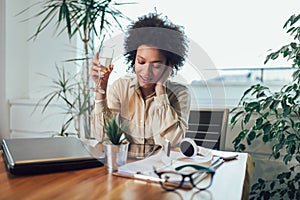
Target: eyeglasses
(200,179)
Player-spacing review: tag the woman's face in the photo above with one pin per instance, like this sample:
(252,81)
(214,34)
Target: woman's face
(150,65)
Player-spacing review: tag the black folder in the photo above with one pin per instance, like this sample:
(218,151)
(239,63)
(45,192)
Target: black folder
(25,156)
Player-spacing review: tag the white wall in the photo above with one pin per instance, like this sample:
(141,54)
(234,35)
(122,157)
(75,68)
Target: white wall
(4,130)
(16,52)
(22,60)
(25,59)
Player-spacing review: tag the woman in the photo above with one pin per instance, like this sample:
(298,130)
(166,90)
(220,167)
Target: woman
(151,107)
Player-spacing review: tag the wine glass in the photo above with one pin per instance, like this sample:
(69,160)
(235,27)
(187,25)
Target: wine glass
(105,58)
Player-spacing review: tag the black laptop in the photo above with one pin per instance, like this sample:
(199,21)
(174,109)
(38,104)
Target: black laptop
(44,155)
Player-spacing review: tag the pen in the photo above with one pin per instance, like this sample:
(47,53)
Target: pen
(217,163)
(138,177)
(148,178)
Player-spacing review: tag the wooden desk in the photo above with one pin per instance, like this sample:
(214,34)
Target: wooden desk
(96,183)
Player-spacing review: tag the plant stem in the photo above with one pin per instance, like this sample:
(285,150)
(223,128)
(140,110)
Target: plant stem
(86,84)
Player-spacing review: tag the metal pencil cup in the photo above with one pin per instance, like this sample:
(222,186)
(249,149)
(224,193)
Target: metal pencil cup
(116,155)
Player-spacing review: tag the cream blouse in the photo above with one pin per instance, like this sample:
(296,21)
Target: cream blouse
(155,118)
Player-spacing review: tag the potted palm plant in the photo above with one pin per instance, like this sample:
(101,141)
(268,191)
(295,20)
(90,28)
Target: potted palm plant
(274,117)
(116,147)
(76,18)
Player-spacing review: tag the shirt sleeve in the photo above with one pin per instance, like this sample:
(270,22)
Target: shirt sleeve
(101,111)
(170,116)
(97,119)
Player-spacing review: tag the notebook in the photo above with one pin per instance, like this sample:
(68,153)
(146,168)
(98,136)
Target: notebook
(25,156)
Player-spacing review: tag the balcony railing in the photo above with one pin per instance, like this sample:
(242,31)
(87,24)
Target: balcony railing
(226,89)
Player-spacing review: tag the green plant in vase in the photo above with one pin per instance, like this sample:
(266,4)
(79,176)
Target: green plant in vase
(116,147)
(113,131)
(274,117)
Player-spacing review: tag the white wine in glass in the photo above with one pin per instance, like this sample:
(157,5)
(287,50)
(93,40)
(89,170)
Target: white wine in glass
(105,59)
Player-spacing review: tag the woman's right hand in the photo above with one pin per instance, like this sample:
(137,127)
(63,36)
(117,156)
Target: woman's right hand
(94,73)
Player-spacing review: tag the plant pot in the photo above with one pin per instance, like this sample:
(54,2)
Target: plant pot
(116,155)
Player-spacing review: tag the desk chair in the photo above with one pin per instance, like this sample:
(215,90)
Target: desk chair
(207,127)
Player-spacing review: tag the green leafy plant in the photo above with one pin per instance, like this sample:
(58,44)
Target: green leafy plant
(77,18)
(114,131)
(276,118)
(65,89)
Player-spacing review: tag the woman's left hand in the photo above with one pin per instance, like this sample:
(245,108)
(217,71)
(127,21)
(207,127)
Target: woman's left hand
(160,84)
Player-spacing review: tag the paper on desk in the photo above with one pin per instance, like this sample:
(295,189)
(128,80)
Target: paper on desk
(146,165)
(161,162)
(226,155)
(179,159)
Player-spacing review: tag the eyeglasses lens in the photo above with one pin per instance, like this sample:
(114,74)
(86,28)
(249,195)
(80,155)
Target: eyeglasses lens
(202,180)
(171,180)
